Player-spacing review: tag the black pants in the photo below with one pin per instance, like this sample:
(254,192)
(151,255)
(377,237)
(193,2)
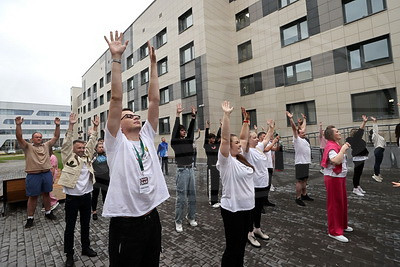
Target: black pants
(213,183)
(73,204)
(135,241)
(260,196)
(358,169)
(378,159)
(95,196)
(236,226)
(270,172)
(164,164)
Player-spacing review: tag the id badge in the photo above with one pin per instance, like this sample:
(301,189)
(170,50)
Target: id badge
(144,187)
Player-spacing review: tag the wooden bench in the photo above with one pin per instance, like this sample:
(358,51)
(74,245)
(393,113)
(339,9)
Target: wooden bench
(13,191)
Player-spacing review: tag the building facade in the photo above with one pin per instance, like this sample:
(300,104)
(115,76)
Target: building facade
(37,118)
(332,60)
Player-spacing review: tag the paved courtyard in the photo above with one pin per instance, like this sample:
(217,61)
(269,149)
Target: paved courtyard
(298,234)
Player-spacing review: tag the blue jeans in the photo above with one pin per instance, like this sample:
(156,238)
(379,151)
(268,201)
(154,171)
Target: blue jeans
(185,189)
(378,159)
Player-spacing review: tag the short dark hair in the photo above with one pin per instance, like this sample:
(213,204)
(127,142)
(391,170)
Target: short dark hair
(127,109)
(259,134)
(181,127)
(328,133)
(78,141)
(100,139)
(37,133)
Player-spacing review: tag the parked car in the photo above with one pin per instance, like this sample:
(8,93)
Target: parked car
(11,151)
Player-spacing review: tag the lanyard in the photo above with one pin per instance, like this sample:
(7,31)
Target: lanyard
(139,157)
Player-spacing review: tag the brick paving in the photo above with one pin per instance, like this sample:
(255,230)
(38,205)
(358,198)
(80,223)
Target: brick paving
(298,234)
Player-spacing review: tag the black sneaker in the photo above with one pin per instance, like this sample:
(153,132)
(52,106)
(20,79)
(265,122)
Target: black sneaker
(267,203)
(306,197)
(94,216)
(29,223)
(263,211)
(89,252)
(70,260)
(300,202)
(50,216)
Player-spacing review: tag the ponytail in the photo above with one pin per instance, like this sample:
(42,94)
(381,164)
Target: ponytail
(243,160)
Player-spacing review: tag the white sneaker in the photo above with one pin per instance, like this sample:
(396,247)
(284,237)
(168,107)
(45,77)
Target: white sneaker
(272,188)
(253,241)
(259,233)
(192,222)
(377,178)
(321,171)
(380,177)
(216,205)
(349,229)
(361,190)
(178,227)
(54,206)
(340,238)
(357,192)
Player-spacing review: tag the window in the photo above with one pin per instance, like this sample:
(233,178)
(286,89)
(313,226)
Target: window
(84,123)
(162,66)
(242,19)
(89,107)
(131,105)
(306,108)
(144,75)
(129,61)
(84,95)
(294,32)
(144,51)
(144,102)
(108,77)
(102,117)
(381,103)
(108,95)
(357,9)
(84,109)
(95,103)
(247,85)
(186,118)
(370,53)
(185,20)
(101,82)
(298,72)
(189,87)
(130,84)
(161,38)
(101,100)
(88,92)
(95,88)
(245,51)
(187,53)
(51,113)
(164,95)
(284,3)
(163,125)
(89,122)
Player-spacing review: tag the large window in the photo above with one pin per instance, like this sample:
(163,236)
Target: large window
(294,31)
(108,77)
(102,117)
(370,53)
(144,102)
(144,51)
(357,9)
(298,72)
(129,61)
(245,52)
(242,19)
(247,85)
(144,76)
(164,95)
(6,111)
(130,84)
(284,3)
(95,103)
(84,95)
(189,87)
(89,107)
(101,82)
(51,113)
(187,53)
(163,124)
(101,100)
(185,20)
(131,105)
(381,103)
(306,108)
(88,91)
(161,38)
(95,88)
(108,95)
(162,66)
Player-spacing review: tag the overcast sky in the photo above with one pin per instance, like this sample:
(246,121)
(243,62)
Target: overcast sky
(47,45)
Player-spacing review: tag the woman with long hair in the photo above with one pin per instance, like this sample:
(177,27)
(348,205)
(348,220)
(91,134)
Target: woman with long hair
(237,199)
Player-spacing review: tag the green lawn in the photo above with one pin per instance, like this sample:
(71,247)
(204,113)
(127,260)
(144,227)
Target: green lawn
(7,157)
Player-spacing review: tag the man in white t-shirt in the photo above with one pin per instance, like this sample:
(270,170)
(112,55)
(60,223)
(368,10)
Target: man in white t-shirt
(302,159)
(137,184)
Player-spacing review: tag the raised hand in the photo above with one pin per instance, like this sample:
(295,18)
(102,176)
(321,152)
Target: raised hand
(373,119)
(276,139)
(115,44)
(304,116)
(289,115)
(194,111)
(72,118)
(96,121)
(271,123)
(152,53)
(246,115)
(365,118)
(19,120)
(226,107)
(345,147)
(208,124)
(57,121)
(179,109)
(255,127)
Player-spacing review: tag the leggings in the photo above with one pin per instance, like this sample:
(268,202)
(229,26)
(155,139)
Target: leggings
(358,169)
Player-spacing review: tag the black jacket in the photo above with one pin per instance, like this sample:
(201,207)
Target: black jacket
(212,149)
(358,145)
(183,147)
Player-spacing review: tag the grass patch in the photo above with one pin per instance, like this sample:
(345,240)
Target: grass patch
(58,155)
(5,158)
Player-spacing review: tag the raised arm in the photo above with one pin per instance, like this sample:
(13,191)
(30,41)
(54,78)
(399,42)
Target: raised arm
(206,134)
(338,159)
(225,136)
(93,137)
(18,132)
(190,131)
(56,132)
(269,134)
(117,48)
(66,148)
(321,131)
(365,119)
(175,133)
(294,129)
(304,123)
(244,133)
(154,92)
(374,125)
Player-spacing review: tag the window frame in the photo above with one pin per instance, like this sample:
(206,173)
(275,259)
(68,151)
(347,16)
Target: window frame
(249,52)
(164,91)
(306,112)
(187,89)
(182,50)
(288,4)
(296,23)
(144,76)
(129,61)
(144,102)
(287,83)
(159,64)
(369,10)
(159,36)
(161,125)
(130,84)
(252,85)
(240,25)
(143,51)
(182,21)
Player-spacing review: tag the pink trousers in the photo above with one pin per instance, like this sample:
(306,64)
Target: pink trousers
(336,204)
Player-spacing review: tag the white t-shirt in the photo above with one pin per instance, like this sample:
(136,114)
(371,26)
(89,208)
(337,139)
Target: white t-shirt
(237,184)
(329,170)
(84,184)
(268,154)
(257,158)
(131,192)
(302,151)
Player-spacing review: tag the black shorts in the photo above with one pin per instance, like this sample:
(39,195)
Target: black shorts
(302,171)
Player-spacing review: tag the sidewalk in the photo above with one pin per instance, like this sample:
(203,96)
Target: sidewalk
(298,234)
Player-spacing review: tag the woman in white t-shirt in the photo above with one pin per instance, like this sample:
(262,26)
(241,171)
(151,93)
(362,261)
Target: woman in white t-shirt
(335,171)
(254,154)
(237,199)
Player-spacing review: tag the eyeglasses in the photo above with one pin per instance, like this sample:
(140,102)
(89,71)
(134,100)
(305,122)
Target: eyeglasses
(131,116)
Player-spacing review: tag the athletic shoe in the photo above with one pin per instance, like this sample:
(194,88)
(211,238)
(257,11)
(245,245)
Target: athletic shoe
(349,229)
(263,211)
(29,223)
(253,241)
(306,197)
(381,177)
(340,238)
(178,227)
(192,222)
(357,192)
(272,188)
(377,178)
(361,190)
(50,216)
(300,202)
(54,206)
(321,171)
(216,205)
(94,216)
(259,233)
(89,252)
